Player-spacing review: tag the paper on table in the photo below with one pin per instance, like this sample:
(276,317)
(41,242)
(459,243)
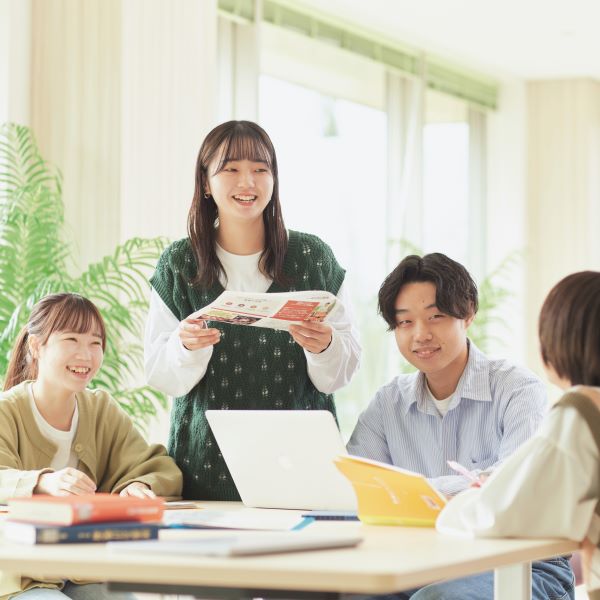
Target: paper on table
(181,505)
(275,311)
(247,518)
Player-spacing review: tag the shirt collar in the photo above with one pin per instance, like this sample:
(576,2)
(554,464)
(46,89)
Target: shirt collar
(474,384)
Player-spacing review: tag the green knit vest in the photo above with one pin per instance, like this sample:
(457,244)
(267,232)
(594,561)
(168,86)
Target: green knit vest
(251,368)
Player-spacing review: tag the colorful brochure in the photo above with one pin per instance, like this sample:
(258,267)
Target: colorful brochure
(388,495)
(275,311)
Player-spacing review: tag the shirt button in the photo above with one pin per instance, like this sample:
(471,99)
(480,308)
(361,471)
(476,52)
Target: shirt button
(78,448)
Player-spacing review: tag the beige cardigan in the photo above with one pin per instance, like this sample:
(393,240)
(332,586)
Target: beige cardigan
(110,450)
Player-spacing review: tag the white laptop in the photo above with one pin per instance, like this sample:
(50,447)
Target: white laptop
(283,458)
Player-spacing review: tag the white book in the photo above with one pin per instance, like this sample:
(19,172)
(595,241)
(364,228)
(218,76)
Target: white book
(245,518)
(239,545)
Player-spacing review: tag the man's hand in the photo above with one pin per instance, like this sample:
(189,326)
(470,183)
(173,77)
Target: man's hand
(314,337)
(138,489)
(65,482)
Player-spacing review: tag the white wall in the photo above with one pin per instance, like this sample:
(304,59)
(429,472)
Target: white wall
(563,159)
(507,209)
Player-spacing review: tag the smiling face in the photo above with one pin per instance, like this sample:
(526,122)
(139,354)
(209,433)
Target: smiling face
(433,342)
(68,360)
(241,189)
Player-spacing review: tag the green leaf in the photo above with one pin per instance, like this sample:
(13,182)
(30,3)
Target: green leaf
(35,257)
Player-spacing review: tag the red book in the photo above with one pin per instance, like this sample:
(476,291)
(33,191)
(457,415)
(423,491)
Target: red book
(91,508)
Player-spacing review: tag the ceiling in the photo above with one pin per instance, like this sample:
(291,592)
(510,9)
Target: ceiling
(530,39)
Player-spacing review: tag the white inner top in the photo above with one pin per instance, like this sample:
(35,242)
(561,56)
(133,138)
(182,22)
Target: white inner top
(64,456)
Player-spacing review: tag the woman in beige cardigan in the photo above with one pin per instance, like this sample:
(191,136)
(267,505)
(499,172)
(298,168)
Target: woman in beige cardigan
(59,438)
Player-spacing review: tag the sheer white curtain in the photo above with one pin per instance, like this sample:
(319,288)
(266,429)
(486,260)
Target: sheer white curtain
(122,95)
(239,68)
(477,193)
(405,105)
(15,61)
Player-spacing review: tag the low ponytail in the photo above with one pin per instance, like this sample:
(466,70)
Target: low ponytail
(21,366)
(56,312)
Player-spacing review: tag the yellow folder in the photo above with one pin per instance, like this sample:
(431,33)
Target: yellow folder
(388,495)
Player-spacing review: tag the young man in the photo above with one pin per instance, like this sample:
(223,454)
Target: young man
(459,406)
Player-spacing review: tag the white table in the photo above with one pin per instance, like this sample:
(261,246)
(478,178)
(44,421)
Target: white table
(390,559)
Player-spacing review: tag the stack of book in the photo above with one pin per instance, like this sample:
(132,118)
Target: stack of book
(82,519)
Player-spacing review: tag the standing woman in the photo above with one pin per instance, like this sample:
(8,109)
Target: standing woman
(237,241)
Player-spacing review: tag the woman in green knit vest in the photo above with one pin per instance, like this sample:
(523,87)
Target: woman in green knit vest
(237,241)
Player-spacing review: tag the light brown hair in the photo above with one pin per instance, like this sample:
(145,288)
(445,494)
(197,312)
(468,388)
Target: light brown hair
(55,312)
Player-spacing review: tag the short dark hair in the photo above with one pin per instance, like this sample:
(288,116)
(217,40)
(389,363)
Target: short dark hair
(455,290)
(569,328)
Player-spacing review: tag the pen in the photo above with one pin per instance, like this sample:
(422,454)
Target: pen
(464,471)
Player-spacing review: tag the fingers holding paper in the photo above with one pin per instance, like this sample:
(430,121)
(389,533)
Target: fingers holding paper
(195,334)
(312,336)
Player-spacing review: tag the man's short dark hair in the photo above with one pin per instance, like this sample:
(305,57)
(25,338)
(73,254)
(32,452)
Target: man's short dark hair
(569,328)
(455,290)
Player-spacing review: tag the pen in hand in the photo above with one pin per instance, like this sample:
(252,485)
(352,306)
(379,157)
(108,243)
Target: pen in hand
(476,482)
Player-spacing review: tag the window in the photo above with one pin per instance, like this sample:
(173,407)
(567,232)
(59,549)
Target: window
(446,210)
(326,111)
(331,155)
(328,123)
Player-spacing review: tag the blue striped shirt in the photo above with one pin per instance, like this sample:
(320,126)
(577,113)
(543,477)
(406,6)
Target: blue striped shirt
(496,407)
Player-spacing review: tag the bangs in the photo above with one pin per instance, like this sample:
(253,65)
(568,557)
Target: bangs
(247,145)
(77,314)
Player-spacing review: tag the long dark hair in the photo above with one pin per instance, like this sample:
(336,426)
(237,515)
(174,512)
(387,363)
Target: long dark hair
(234,140)
(55,312)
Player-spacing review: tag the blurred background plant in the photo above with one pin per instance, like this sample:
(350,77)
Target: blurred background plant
(36,259)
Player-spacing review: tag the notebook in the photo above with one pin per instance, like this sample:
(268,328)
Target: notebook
(389,495)
(283,458)
(239,545)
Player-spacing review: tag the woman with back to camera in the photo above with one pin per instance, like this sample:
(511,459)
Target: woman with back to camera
(237,241)
(550,487)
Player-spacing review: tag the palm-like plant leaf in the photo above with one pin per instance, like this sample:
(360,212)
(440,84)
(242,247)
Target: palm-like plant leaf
(35,261)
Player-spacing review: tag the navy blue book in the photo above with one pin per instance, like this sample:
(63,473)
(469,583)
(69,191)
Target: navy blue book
(88,533)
